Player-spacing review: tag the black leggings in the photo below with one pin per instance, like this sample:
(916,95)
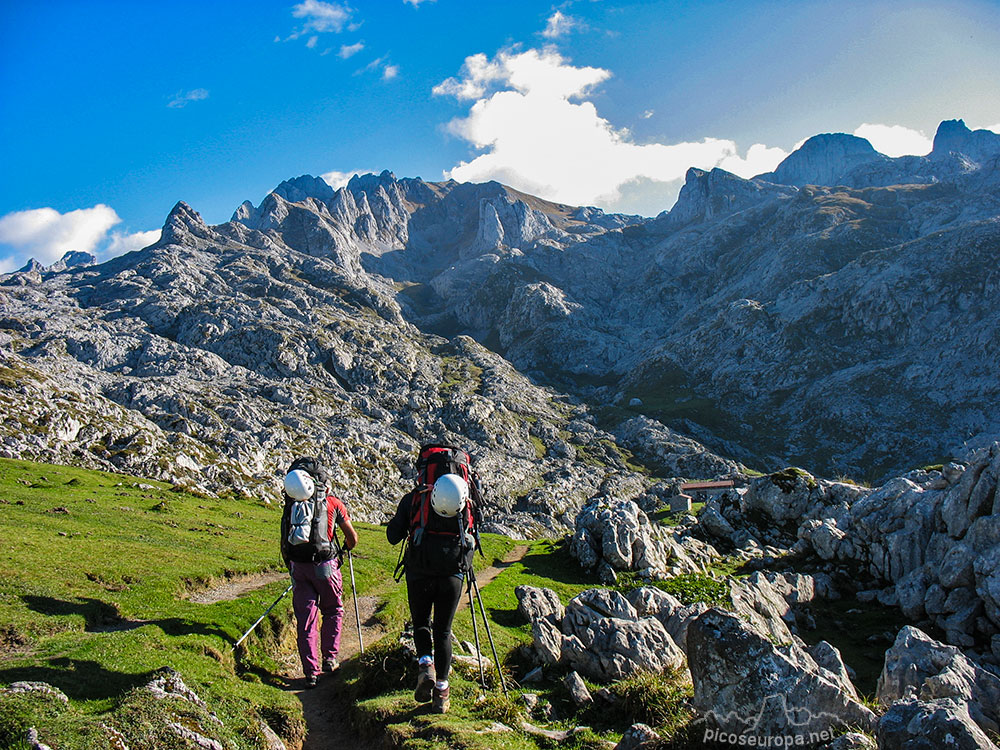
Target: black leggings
(443,594)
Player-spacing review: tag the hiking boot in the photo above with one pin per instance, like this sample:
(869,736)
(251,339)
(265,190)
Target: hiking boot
(311,681)
(425,683)
(442,699)
(330,665)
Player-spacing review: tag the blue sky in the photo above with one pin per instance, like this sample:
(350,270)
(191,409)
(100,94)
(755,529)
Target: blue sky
(110,112)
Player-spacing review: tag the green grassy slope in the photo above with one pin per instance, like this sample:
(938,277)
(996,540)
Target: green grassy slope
(93,576)
(95,572)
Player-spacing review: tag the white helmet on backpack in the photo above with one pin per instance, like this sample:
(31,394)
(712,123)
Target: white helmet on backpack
(299,485)
(449,496)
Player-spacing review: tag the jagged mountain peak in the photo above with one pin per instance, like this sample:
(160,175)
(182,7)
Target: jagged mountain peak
(715,193)
(370,182)
(183,222)
(823,160)
(70,259)
(73,259)
(184,212)
(376,207)
(305,186)
(832,159)
(951,129)
(32,266)
(954,137)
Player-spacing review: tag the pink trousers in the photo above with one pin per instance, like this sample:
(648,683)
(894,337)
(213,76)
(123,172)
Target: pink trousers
(318,590)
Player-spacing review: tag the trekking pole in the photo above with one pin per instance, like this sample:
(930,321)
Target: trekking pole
(354,591)
(266,613)
(475,630)
(486,622)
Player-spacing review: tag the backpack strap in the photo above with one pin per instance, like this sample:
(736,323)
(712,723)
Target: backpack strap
(476,510)
(331,519)
(397,574)
(419,513)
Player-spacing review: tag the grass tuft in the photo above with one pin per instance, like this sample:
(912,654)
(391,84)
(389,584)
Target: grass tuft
(496,706)
(384,667)
(786,478)
(687,587)
(661,700)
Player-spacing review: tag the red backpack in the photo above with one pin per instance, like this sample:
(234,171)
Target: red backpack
(433,461)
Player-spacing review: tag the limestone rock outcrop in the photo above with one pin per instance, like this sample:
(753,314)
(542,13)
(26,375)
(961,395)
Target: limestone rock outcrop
(912,724)
(929,539)
(613,534)
(601,635)
(917,666)
(743,683)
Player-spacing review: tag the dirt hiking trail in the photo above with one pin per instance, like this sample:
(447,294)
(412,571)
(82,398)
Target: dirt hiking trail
(234,588)
(322,708)
(326,728)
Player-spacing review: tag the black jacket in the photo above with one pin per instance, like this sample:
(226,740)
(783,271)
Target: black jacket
(440,551)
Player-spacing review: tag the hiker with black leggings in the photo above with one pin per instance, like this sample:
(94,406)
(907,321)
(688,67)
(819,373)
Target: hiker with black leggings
(436,519)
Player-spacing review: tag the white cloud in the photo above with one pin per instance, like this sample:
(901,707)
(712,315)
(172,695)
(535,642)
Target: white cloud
(895,140)
(759,159)
(320,17)
(994,128)
(543,72)
(647,114)
(536,138)
(349,50)
(183,98)
(416,3)
(389,71)
(559,25)
(46,235)
(337,180)
(373,64)
(477,73)
(126,243)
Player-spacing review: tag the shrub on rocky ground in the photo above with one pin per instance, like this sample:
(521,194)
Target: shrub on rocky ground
(663,701)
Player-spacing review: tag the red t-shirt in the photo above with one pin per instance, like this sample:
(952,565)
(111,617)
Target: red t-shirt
(336,513)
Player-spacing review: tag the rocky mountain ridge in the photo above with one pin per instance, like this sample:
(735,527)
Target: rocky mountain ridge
(842,159)
(774,322)
(212,357)
(752,313)
(70,259)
